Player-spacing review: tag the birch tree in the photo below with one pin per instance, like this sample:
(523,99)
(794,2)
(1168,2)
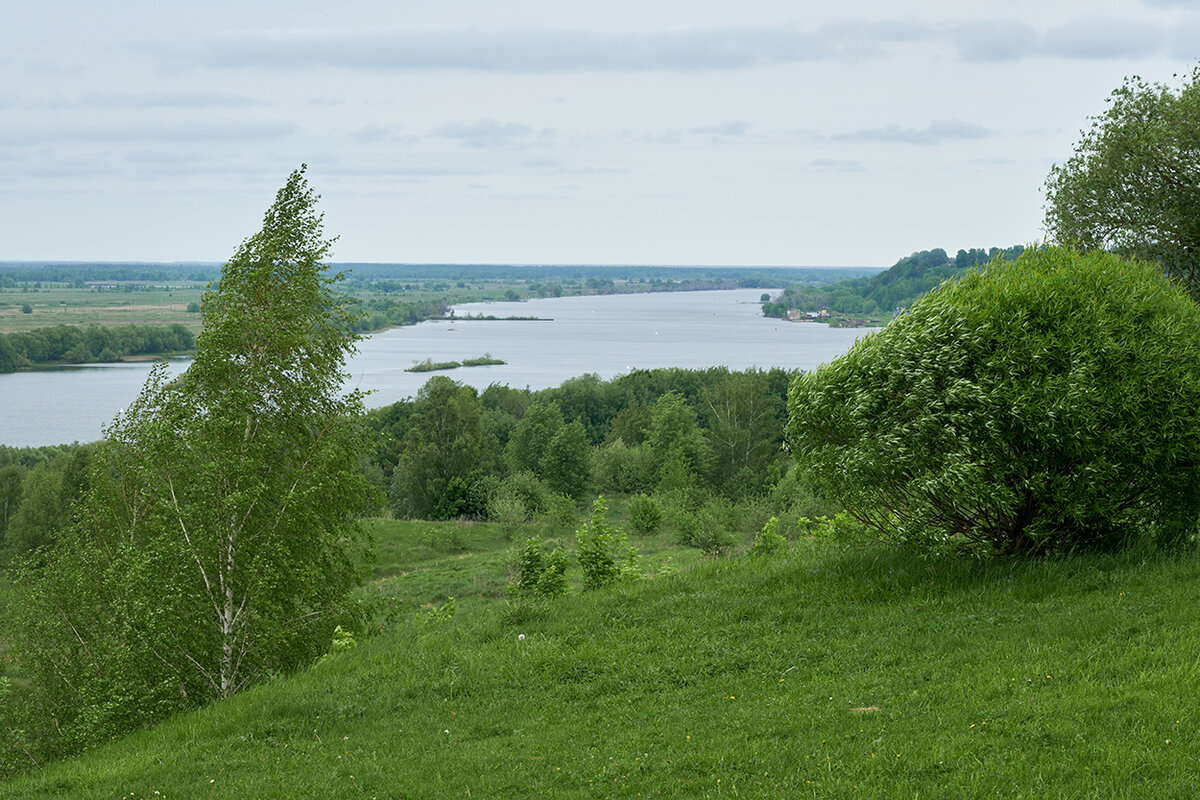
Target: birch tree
(216,538)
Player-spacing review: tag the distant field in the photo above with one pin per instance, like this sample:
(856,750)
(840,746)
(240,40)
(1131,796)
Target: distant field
(159,294)
(71,306)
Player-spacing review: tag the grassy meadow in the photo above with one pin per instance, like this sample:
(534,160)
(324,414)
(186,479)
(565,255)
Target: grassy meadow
(830,670)
(65,305)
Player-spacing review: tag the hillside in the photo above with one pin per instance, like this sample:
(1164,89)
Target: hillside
(879,295)
(827,671)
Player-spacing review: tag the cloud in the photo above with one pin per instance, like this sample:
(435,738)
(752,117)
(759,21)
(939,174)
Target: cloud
(934,133)
(566,50)
(484,132)
(997,41)
(1104,38)
(836,165)
(994,41)
(526,51)
(152,100)
(184,132)
(730,128)
(1185,41)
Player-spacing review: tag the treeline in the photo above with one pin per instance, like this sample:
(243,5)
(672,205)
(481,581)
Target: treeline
(80,345)
(881,294)
(690,445)
(379,313)
(79,273)
(753,277)
(39,487)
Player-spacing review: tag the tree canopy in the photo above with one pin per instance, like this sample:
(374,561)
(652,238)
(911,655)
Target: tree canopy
(1133,184)
(213,544)
(1049,403)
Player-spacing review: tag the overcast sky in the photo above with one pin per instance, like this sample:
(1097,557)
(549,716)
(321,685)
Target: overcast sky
(765,132)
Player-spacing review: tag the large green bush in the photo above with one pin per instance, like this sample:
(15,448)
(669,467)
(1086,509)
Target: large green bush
(1048,403)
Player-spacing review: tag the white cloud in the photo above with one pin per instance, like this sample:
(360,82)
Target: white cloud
(529,51)
(933,133)
(191,131)
(1104,39)
(485,132)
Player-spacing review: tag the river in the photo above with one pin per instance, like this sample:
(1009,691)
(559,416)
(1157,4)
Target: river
(606,335)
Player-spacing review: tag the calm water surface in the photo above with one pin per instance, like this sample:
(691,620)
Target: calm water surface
(607,336)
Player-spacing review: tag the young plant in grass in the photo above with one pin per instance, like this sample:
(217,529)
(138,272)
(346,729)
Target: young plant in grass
(598,546)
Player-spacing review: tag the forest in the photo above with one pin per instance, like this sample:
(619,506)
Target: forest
(71,344)
(881,296)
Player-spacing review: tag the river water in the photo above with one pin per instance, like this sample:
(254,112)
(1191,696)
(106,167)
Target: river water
(606,335)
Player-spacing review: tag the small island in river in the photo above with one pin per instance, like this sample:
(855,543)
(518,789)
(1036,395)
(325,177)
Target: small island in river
(429,365)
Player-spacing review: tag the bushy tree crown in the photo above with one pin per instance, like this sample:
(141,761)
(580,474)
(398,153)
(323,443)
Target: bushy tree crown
(1048,403)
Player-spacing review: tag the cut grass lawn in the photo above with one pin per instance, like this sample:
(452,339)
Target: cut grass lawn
(826,671)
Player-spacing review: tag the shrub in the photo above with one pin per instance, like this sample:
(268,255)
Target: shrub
(714,528)
(540,575)
(624,468)
(645,517)
(530,489)
(1045,404)
(596,547)
(507,511)
(553,580)
(769,541)
(531,561)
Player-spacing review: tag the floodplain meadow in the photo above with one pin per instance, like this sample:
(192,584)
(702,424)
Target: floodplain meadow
(826,670)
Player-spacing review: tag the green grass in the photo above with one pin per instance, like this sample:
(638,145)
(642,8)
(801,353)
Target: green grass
(60,305)
(826,672)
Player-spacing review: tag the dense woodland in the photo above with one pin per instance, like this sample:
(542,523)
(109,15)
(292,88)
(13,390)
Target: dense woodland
(883,294)
(69,344)
(699,445)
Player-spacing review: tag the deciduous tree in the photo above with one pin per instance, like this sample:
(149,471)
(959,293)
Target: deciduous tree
(215,539)
(1133,184)
(1050,403)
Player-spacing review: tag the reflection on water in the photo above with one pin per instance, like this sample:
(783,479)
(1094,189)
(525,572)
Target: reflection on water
(602,335)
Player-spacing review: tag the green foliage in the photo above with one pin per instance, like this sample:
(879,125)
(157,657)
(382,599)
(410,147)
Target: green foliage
(40,514)
(553,580)
(623,468)
(444,442)
(438,615)
(769,541)
(680,450)
(744,431)
(12,478)
(531,437)
(531,562)
(714,528)
(540,575)
(507,510)
(567,460)
(598,546)
(880,295)
(1052,403)
(1131,184)
(76,344)
(645,517)
(217,535)
(530,490)
(342,641)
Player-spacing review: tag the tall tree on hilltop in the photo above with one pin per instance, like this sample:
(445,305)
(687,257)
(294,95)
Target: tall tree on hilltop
(215,538)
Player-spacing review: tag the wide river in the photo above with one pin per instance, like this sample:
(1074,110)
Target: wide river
(607,335)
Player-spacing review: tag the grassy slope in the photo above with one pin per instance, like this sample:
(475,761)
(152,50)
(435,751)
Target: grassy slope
(825,672)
